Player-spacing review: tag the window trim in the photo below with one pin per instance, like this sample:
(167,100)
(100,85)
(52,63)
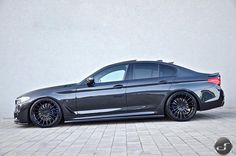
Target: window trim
(130,72)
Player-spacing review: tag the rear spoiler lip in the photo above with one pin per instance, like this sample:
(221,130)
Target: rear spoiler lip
(214,75)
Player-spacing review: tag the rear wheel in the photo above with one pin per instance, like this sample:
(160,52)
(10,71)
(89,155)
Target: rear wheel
(45,113)
(181,106)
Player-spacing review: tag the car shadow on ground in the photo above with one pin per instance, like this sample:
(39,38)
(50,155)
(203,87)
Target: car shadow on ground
(200,116)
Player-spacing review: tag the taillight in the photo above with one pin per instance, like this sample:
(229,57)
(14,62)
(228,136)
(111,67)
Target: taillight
(215,80)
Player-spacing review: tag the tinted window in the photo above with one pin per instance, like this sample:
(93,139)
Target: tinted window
(145,70)
(111,74)
(166,71)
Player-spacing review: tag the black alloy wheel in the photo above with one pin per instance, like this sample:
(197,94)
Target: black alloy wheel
(45,113)
(181,106)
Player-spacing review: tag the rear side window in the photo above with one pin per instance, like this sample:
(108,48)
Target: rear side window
(166,71)
(145,70)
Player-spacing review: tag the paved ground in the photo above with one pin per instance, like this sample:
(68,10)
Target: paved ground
(131,137)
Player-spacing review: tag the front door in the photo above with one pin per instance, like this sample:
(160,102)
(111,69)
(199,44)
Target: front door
(106,98)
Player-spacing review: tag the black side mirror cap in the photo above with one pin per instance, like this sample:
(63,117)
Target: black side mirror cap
(90,81)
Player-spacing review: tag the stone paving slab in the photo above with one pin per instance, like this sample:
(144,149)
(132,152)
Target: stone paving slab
(145,137)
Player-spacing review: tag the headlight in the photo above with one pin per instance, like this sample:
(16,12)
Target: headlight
(22,99)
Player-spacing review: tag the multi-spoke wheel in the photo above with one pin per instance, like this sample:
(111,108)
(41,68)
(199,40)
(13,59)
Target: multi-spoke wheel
(45,113)
(181,106)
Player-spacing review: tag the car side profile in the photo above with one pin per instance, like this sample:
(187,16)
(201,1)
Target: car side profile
(130,89)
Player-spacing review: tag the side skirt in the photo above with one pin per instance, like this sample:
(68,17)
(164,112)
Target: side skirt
(115,117)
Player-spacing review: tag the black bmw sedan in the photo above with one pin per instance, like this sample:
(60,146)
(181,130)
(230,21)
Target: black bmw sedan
(131,89)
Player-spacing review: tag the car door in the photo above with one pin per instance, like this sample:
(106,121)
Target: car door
(106,97)
(147,88)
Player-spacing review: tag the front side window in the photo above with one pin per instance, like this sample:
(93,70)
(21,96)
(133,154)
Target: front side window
(167,71)
(111,74)
(145,70)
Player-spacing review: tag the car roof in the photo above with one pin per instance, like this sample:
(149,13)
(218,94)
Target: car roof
(143,61)
(180,69)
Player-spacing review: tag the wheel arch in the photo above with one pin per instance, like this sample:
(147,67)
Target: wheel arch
(183,90)
(46,97)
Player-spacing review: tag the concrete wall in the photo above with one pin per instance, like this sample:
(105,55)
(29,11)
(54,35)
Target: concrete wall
(45,43)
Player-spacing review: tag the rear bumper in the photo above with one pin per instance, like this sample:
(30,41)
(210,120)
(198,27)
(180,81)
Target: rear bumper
(213,104)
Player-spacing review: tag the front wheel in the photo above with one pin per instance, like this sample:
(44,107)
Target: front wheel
(45,113)
(181,106)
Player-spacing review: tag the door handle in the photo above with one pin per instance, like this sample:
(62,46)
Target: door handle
(163,81)
(118,86)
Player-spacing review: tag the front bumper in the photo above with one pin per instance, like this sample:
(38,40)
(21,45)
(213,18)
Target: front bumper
(17,121)
(213,104)
(21,114)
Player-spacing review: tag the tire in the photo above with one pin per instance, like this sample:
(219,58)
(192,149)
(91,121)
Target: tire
(181,106)
(45,113)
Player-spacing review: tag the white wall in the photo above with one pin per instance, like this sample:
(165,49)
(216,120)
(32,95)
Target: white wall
(45,43)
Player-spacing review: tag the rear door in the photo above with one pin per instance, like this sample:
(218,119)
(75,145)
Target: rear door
(148,86)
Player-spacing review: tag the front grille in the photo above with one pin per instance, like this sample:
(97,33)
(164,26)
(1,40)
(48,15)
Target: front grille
(17,108)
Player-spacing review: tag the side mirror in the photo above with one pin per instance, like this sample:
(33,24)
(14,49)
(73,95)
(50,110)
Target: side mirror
(90,81)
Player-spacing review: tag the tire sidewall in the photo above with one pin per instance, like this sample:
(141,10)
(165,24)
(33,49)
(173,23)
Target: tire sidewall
(169,113)
(32,118)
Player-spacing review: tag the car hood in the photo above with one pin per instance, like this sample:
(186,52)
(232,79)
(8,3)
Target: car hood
(50,90)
